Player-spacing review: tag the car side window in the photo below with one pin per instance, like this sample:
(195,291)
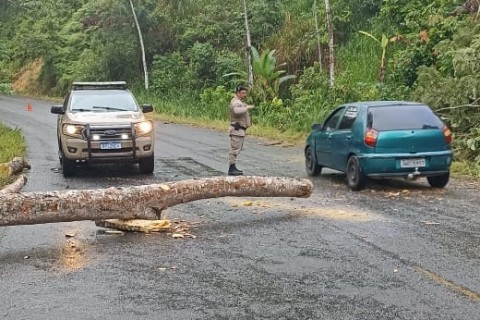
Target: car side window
(348,118)
(331,123)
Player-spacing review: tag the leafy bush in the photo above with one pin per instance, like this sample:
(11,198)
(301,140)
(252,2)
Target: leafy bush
(457,97)
(6,88)
(202,63)
(214,102)
(170,74)
(227,62)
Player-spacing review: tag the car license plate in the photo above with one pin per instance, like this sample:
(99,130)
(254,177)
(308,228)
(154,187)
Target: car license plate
(110,145)
(412,163)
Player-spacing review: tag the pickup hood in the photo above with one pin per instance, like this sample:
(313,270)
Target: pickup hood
(106,117)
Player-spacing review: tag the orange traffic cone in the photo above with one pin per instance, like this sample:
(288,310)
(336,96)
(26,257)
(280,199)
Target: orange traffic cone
(29,106)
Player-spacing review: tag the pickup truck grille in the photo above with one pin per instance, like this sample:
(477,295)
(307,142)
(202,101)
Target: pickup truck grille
(110,133)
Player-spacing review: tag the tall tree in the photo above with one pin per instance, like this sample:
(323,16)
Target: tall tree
(140,37)
(317,31)
(331,52)
(249,45)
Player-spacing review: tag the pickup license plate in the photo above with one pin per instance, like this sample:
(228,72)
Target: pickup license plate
(110,145)
(412,163)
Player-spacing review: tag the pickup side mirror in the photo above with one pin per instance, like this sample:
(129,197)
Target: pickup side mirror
(147,108)
(317,126)
(58,109)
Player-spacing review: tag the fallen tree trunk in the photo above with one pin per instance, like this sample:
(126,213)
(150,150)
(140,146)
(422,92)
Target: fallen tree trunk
(137,202)
(15,186)
(15,166)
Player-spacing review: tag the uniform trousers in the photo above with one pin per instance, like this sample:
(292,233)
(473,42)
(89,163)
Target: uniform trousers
(236,145)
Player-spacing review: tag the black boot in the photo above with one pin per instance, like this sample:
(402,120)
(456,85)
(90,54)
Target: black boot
(235,167)
(233,171)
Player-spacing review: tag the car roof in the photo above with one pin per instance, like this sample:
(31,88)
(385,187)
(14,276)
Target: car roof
(364,104)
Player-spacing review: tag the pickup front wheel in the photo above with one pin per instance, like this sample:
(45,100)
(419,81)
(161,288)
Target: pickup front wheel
(68,166)
(147,164)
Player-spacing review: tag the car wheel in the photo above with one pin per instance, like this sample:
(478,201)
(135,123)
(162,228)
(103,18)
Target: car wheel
(439,181)
(147,164)
(313,169)
(355,177)
(68,166)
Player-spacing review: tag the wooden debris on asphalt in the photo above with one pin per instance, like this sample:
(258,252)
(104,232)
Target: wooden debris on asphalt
(15,166)
(177,229)
(16,186)
(144,226)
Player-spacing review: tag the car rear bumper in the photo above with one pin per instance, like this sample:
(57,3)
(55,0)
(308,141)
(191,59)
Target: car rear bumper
(130,151)
(383,165)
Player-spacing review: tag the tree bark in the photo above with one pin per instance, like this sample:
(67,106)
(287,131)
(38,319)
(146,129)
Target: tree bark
(15,186)
(137,202)
(331,52)
(249,45)
(317,31)
(15,166)
(140,36)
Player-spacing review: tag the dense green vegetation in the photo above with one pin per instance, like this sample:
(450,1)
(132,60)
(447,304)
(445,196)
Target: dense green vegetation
(196,53)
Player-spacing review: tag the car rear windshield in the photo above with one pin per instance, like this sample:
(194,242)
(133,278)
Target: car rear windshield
(102,101)
(403,117)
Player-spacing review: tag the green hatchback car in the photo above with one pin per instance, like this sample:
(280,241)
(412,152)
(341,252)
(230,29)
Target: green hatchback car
(381,139)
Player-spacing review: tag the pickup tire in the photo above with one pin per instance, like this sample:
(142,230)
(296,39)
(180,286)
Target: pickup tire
(147,164)
(68,166)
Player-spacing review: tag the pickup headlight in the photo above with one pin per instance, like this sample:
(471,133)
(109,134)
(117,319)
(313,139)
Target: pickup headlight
(74,130)
(143,127)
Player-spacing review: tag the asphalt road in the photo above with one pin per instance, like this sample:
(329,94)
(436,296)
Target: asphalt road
(397,250)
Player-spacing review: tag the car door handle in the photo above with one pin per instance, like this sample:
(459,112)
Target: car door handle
(348,138)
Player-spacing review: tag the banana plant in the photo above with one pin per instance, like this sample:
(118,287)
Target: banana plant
(267,76)
(266,73)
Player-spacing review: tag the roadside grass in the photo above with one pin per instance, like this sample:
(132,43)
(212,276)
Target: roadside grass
(260,131)
(12,144)
(463,169)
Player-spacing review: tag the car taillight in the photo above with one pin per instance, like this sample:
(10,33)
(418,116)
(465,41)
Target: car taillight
(448,134)
(371,137)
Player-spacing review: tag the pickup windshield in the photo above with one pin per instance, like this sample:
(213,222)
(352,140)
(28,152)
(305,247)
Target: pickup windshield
(102,101)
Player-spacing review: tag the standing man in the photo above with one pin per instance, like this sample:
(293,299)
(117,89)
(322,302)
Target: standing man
(239,122)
